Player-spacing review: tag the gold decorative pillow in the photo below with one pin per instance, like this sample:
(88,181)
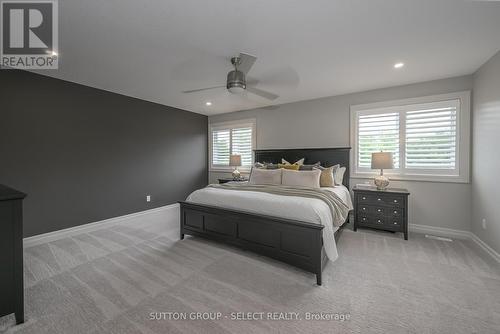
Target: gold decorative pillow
(326,178)
(298,162)
(292,167)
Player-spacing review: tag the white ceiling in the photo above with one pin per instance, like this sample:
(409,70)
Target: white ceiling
(154,50)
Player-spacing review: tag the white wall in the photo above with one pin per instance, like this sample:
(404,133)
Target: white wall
(325,122)
(486,153)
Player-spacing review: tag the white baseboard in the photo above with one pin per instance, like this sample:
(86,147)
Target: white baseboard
(457,234)
(440,231)
(485,247)
(51,236)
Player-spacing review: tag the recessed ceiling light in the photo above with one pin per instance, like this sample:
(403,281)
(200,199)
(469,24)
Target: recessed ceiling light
(399,65)
(208,103)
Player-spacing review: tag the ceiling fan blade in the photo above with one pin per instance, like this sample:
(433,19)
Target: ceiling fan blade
(246,62)
(252,81)
(262,93)
(274,107)
(202,89)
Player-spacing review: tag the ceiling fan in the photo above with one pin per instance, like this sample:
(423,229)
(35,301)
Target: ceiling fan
(237,80)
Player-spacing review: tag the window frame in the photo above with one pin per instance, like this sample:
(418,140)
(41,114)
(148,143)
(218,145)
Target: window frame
(461,173)
(229,125)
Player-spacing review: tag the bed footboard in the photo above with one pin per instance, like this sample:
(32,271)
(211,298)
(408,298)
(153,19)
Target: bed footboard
(294,242)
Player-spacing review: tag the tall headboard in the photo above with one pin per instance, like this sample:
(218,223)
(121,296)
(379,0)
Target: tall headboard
(327,156)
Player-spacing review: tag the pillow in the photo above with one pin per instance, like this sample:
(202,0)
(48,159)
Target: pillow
(339,176)
(271,166)
(327,178)
(298,162)
(309,179)
(310,167)
(292,167)
(265,165)
(265,176)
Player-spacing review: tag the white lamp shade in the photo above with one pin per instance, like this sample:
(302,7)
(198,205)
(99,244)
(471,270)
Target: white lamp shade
(235,160)
(382,160)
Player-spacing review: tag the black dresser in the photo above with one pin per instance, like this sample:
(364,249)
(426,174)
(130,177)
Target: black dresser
(222,181)
(11,253)
(383,210)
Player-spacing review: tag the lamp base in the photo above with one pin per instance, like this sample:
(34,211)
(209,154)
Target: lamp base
(236,174)
(381,182)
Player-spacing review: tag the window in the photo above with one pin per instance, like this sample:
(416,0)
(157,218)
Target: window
(429,137)
(377,132)
(231,138)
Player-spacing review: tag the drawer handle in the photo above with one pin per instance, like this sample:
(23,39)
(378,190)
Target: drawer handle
(395,201)
(395,223)
(364,208)
(364,218)
(379,221)
(364,197)
(379,210)
(395,212)
(379,199)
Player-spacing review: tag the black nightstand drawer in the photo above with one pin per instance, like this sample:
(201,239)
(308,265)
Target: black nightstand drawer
(372,220)
(374,210)
(222,181)
(394,222)
(381,199)
(384,210)
(382,222)
(395,213)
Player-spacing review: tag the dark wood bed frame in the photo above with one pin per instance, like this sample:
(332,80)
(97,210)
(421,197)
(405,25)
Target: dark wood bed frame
(291,241)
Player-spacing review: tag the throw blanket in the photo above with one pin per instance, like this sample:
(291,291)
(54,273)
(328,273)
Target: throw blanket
(338,208)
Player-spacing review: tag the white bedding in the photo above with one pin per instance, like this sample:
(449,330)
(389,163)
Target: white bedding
(309,210)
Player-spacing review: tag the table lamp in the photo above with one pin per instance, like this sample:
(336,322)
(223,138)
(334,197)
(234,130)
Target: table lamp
(235,161)
(382,160)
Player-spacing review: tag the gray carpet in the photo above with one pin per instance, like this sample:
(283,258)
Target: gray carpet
(110,280)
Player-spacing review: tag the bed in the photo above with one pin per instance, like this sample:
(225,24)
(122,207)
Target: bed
(293,230)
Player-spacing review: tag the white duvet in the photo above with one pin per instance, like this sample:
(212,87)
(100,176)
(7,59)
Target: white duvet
(309,210)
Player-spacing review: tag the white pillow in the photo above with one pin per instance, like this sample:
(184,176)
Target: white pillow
(265,176)
(298,162)
(305,178)
(339,176)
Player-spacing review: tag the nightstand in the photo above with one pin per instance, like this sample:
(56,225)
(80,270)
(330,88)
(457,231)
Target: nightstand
(221,181)
(381,209)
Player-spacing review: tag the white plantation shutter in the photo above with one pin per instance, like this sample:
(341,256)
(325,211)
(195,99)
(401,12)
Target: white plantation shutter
(377,132)
(233,138)
(221,147)
(429,140)
(431,137)
(242,144)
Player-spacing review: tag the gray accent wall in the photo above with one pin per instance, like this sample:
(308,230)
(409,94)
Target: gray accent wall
(325,122)
(84,154)
(486,153)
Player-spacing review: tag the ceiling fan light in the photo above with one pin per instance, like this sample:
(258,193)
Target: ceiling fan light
(236,82)
(236,89)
